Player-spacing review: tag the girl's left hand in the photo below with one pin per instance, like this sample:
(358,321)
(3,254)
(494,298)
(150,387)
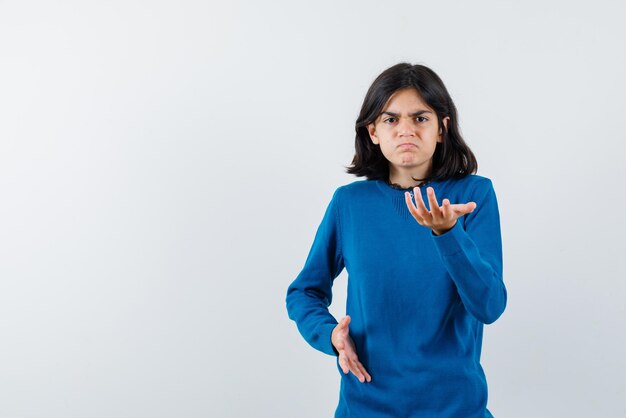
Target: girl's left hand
(440,218)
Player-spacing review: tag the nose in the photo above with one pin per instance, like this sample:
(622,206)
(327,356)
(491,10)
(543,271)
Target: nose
(405,127)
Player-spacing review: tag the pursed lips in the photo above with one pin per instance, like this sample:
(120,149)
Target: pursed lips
(405,144)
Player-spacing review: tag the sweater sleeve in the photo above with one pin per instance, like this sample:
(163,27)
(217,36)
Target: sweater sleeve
(310,294)
(472,254)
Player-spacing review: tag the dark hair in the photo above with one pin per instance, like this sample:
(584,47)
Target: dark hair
(452,158)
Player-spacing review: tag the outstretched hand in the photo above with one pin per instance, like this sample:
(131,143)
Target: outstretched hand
(440,218)
(348,360)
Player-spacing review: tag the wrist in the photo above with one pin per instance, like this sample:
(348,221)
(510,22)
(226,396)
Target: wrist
(440,231)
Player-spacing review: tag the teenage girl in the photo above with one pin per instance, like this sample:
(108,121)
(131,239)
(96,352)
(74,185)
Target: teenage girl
(420,240)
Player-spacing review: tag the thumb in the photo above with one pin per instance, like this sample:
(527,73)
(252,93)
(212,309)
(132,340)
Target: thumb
(470,206)
(461,209)
(345,321)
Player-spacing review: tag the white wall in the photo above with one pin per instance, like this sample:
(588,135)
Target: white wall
(164,166)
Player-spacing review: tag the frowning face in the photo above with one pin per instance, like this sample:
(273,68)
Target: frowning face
(407,133)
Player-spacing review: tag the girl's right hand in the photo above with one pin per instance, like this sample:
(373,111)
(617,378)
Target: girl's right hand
(348,360)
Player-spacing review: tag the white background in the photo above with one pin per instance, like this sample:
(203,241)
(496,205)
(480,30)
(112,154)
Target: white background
(164,166)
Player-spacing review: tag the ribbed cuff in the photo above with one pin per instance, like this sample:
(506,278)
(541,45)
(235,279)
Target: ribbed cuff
(449,242)
(326,345)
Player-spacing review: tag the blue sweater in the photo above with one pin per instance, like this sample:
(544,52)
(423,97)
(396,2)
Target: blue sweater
(417,301)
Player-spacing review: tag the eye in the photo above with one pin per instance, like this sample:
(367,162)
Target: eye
(390,120)
(421,119)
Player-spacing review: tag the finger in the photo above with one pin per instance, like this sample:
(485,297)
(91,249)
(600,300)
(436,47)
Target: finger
(411,206)
(420,206)
(462,209)
(356,370)
(432,201)
(445,208)
(344,364)
(345,326)
(409,201)
(366,375)
(355,365)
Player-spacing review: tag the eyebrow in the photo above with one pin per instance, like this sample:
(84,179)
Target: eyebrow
(395,115)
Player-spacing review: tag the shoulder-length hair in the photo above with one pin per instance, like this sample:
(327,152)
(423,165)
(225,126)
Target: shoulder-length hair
(452,158)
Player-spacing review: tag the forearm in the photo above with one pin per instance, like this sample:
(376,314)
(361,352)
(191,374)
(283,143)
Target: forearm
(310,294)
(478,278)
(310,313)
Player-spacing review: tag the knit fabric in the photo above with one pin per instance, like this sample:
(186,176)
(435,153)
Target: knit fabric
(417,301)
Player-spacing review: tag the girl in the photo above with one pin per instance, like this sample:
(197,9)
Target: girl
(423,278)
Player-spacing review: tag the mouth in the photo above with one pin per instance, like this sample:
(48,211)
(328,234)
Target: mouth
(407,145)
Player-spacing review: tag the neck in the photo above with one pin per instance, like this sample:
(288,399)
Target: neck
(404,178)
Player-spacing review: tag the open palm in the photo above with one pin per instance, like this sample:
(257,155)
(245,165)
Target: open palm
(348,359)
(440,218)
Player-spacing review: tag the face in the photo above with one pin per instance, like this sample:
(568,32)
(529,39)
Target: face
(407,133)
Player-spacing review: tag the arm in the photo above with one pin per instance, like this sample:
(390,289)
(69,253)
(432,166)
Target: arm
(310,294)
(473,256)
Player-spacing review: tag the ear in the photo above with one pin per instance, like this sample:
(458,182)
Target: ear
(445,124)
(371,129)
